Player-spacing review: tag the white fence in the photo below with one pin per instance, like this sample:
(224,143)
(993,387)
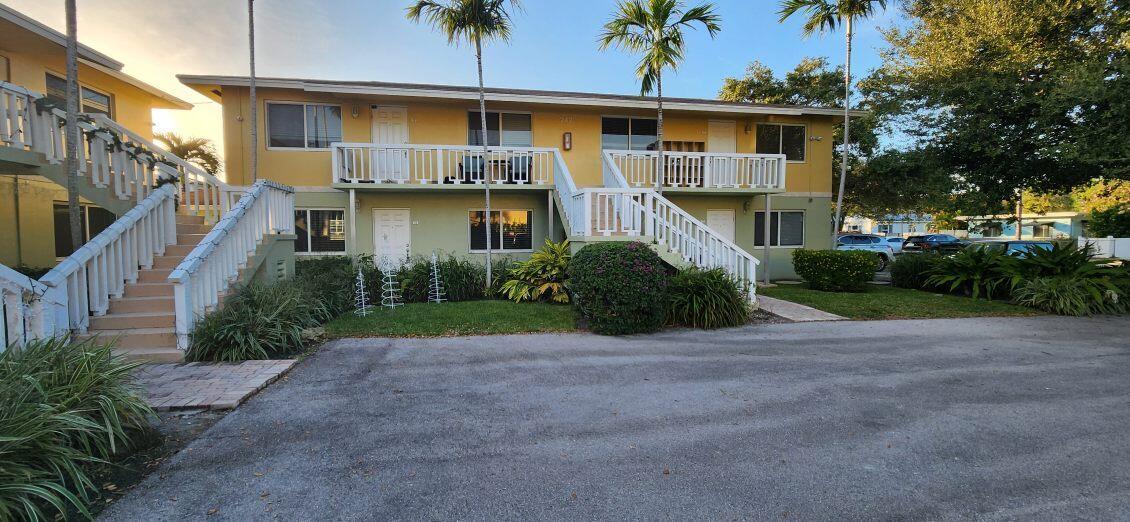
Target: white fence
(1109,246)
(700,169)
(439,164)
(213,266)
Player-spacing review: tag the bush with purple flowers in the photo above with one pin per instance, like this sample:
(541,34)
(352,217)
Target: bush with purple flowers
(620,288)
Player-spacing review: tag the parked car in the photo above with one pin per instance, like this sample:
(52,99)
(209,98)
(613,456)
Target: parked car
(870,243)
(936,243)
(1015,247)
(896,244)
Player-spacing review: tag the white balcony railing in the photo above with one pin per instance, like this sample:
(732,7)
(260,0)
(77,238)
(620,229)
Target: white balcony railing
(701,170)
(442,164)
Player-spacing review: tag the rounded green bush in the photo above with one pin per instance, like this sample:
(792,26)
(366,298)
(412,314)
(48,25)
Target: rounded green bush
(706,299)
(912,270)
(259,321)
(835,270)
(621,288)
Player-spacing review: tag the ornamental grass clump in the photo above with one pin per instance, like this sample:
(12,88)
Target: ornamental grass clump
(706,299)
(64,407)
(835,270)
(259,321)
(620,288)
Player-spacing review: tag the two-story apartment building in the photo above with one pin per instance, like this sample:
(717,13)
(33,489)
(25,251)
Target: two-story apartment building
(33,214)
(389,168)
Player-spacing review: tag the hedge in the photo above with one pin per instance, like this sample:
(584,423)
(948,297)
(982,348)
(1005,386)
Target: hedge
(835,270)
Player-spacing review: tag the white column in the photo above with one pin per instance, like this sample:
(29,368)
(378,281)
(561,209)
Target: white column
(765,256)
(352,221)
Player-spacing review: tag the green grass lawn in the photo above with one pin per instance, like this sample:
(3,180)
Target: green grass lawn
(462,318)
(888,302)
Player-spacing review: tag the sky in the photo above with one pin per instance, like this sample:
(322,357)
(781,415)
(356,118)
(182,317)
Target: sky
(553,46)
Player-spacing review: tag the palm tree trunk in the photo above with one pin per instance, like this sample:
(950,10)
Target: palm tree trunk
(847,135)
(486,161)
(252,97)
(660,170)
(73,138)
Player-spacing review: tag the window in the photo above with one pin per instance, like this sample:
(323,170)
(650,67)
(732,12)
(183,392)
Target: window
(514,233)
(319,231)
(94,221)
(1042,230)
(628,133)
(885,229)
(776,138)
(504,129)
(786,228)
(5,75)
(93,101)
(303,125)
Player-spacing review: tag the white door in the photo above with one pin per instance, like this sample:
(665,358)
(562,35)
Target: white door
(390,127)
(722,138)
(392,235)
(722,222)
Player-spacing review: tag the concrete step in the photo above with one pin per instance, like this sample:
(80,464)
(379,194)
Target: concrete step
(192,228)
(154,275)
(189,239)
(151,354)
(122,321)
(165,337)
(189,219)
(149,290)
(129,305)
(167,261)
(178,250)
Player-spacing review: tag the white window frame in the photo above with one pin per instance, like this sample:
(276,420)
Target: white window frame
(84,87)
(781,139)
(887,232)
(500,113)
(803,232)
(305,130)
(500,244)
(627,117)
(309,243)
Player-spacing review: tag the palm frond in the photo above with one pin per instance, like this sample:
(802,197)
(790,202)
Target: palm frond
(466,20)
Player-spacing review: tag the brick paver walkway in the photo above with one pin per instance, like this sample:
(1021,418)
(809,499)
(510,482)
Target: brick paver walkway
(217,386)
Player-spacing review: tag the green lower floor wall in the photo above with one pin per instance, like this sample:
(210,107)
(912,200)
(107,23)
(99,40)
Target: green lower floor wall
(27,220)
(440,221)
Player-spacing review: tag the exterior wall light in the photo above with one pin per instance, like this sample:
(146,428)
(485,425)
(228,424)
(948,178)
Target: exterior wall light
(567,141)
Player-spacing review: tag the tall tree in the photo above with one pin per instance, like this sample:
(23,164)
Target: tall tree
(654,28)
(825,15)
(199,151)
(472,21)
(73,136)
(1014,95)
(251,96)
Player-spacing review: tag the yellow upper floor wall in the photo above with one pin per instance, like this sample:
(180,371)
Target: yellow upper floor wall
(445,122)
(29,51)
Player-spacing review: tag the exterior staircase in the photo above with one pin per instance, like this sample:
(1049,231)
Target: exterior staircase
(143,319)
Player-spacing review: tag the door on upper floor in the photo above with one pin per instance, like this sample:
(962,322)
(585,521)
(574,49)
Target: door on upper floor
(722,222)
(722,138)
(390,127)
(392,235)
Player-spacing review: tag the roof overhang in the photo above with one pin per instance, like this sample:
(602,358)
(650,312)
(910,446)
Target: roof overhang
(448,92)
(170,101)
(30,24)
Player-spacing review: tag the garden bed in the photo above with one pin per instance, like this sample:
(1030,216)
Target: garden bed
(484,317)
(886,302)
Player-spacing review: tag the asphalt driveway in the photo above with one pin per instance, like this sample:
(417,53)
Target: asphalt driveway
(990,418)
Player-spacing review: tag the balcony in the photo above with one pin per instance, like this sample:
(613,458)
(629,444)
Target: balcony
(699,171)
(371,165)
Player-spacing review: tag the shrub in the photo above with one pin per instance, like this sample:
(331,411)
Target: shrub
(415,280)
(620,288)
(835,270)
(1063,259)
(1114,221)
(330,281)
(500,274)
(706,299)
(542,277)
(463,279)
(34,272)
(259,321)
(912,270)
(1070,296)
(975,272)
(63,407)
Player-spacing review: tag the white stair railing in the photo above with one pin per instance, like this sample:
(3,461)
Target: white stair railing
(26,312)
(569,196)
(84,282)
(214,265)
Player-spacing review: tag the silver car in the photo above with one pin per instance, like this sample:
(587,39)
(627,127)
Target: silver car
(870,243)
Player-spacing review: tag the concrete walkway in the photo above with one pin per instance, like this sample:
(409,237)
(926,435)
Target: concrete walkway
(795,312)
(1001,418)
(216,386)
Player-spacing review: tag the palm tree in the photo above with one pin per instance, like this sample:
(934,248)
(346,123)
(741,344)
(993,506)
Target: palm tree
(199,151)
(472,21)
(73,137)
(251,84)
(825,15)
(655,29)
